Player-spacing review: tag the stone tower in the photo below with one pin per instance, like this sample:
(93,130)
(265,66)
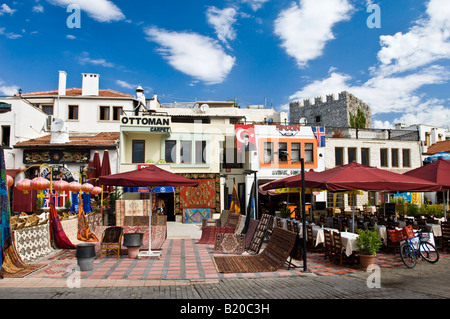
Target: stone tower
(331,113)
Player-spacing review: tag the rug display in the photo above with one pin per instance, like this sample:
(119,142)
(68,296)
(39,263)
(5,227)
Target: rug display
(84,233)
(33,243)
(229,243)
(240,224)
(94,219)
(131,208)
(196,215)
(58,236)
(14,267)
(252,225)
(232,220)
(70,228)
(209,234)
(271,258)
(260,232)
(136,221)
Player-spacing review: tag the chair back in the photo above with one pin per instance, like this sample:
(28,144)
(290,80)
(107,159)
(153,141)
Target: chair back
(328,239)
(337,240)
(309,234)
(278,221)
(445,231)
(289,225)
(296,228)
(112,234)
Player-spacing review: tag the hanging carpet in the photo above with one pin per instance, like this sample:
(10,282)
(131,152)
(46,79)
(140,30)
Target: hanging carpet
(271,258)
(209,234)
(57,234)
(84,233)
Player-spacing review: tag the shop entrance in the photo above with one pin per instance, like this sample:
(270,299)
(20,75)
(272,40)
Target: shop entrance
(169,205)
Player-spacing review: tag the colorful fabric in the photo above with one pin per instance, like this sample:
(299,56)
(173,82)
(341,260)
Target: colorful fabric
(251,229)
(201,196)
(33,243)
(84,233)
(229,243)
(5,217)
(196,215)
(131,212)
(319,133)
(13,266)
(235,206)
(57,234)
(209,234)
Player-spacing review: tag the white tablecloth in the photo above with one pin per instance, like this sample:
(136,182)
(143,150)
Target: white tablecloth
(349,242)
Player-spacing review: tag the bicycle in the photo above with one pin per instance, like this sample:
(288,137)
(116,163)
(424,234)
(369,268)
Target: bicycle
(425,250)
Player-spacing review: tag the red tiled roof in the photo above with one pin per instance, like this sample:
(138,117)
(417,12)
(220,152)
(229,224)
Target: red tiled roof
(101,140)
(77,92)
(443,146)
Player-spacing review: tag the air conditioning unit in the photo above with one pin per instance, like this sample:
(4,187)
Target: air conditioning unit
(49,122)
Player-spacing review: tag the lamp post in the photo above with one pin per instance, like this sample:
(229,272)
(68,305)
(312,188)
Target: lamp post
(249,172)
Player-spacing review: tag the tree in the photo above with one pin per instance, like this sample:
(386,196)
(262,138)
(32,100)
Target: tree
(358,120)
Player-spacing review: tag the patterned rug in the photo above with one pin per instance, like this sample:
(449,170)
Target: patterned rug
(252,226)
(260,232)
(196,215)
(229,243)
(232,220)
(209,234)
(14,267)
(33,243)
(56,270)
(270,259)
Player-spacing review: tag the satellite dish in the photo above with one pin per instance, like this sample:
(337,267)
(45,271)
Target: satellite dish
(195,107)
(270,120)
(57,125)
(204,107)
(303,121)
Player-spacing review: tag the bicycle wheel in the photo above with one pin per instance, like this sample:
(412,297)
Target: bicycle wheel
(407,252)
(428,252)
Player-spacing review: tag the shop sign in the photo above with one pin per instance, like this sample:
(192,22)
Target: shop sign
(55,156)
(288,130)
(156,124)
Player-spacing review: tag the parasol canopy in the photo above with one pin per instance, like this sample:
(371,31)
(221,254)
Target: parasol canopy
(437,172)
(294,181)
(106,168)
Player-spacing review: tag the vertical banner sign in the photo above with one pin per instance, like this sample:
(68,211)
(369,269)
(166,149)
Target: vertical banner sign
(245,137)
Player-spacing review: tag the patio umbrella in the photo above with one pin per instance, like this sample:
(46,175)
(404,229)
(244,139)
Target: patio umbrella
(150,176)
(437,172)
(97,168)
(355,176)
(293,181)
(434,157)
(106,169)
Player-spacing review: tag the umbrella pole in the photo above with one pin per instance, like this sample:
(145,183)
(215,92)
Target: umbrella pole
(149,252)
(353,212)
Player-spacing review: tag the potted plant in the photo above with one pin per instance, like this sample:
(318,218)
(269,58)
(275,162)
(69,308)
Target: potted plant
(368,243)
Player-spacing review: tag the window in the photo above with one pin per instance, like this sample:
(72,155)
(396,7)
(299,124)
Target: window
(351,154)
(138,151)
(185,152)
(309,152)
(365,153)
(383,157)
(104,113)
(406,158)
(73,112)
(394,157)
(200,152)
(117,112)
(6,135)
(338,156)
(318,119)
(268,152)
(335,199)
(47,109)
(282,152)
(170,152)
(295,152)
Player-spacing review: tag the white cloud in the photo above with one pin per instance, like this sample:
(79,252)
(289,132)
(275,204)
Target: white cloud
(71,37)
(126,85)
(38,8)
(408,62)
(8,90)
(85,59)
(4,8)
(100,10)
(222,21)
(305,28)
(255,4)
(193,54)
(9,35)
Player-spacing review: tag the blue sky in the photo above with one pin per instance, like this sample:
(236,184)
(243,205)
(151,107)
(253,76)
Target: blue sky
(257,51)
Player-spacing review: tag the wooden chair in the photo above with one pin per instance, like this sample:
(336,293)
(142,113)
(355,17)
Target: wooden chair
(339,253)
(329,245)
(278,222)
(111,241)
(311,241)
(289,225)
(445,239)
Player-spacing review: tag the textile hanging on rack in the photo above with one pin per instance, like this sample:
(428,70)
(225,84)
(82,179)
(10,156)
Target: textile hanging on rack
(84,233)
(5,226)
(59,237)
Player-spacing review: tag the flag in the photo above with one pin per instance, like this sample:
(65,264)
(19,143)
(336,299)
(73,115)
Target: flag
(235,206)
(251,209)
(319,133)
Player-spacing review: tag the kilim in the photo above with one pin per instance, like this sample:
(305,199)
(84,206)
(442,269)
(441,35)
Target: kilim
(240,225)
(14,267)
(84,233)
(232,221)
(253,224)
(260,232)
(229,243)
(209,234)
(271,258)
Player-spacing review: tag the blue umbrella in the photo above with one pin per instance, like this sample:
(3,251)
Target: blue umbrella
(435,157)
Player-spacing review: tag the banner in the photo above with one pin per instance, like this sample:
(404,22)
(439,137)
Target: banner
(245,137)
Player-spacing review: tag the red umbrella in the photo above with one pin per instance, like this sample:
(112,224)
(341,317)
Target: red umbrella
(97,167)
(437,172)
(355,176)
(294,181)
(149,176)
(106,168)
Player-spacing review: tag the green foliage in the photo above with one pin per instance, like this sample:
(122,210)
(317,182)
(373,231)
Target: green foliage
(369,243)
(358,120)
(412,209)
(285,212)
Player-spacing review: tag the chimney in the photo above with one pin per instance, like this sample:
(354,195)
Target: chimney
(62,83)
(90,84)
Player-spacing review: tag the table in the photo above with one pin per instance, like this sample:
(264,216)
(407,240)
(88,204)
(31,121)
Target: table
(435,229)
(349,241)
(319,234)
